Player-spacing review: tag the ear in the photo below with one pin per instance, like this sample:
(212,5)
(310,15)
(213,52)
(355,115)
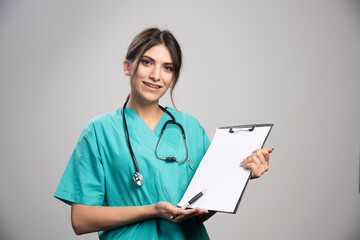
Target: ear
(127,67)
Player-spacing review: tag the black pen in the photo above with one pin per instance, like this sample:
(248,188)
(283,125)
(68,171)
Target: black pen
(197,196)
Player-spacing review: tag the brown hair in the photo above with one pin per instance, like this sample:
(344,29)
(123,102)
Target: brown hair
(149,38)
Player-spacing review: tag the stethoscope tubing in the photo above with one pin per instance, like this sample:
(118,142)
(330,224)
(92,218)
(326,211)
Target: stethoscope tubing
(128,138)
(137,177)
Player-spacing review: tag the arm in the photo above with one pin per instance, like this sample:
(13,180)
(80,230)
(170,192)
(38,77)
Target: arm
(86,219)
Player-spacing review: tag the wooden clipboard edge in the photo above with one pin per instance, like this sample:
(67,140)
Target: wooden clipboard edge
(248,126)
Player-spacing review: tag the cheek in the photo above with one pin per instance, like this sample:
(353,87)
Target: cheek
(137,78)
(135,82)
(168,79)
(143,71)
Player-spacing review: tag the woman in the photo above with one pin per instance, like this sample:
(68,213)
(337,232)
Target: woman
(131,167)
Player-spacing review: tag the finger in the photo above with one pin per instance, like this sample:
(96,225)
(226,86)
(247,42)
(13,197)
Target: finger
(255,171)
(251,156)
(202,211)
(247,160)
(261,156)
(174,211)
(264,159)
(259,165)
(267,154)
(265,150)
(184,215)
(253,162)
(194,212)
(176,214)
(184,212)
(268,150)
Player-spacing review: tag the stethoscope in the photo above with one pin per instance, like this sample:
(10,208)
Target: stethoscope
(137,177)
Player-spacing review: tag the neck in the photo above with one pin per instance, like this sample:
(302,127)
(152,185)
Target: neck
(148,111)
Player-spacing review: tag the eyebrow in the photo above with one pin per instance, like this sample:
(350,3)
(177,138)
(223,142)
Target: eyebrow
(167,63)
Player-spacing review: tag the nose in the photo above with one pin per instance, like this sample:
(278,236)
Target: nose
(155,74)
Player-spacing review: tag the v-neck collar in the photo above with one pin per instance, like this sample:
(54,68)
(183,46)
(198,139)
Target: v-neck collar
(135,121)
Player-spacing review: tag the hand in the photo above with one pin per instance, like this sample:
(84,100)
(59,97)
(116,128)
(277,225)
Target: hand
(166,210)
(258,162)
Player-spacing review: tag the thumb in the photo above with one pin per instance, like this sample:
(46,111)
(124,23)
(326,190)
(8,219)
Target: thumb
(270,150)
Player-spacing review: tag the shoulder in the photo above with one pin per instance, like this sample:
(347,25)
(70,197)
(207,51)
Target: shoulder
(185,119)
(106,118)
(182,116)
(103,121)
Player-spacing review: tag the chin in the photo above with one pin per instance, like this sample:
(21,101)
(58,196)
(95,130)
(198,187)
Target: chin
(150,99)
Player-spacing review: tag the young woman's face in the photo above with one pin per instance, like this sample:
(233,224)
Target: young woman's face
(154,75)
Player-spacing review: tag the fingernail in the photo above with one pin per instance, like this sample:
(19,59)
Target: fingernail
(182,211)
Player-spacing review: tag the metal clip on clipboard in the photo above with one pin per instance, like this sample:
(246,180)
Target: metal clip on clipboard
(250,128)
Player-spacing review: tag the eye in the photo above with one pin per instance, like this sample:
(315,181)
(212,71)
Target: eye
(145,62)
(169,68)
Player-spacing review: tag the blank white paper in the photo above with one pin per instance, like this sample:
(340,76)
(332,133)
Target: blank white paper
(220,172)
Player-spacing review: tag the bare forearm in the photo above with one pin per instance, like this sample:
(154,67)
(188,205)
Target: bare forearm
(87,219)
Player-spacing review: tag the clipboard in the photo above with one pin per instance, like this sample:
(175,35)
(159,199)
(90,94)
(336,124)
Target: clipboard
(220,172)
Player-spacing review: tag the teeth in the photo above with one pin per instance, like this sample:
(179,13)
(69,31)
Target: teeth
(152,86)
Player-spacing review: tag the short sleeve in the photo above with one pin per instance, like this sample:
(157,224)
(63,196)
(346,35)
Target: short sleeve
(83,180)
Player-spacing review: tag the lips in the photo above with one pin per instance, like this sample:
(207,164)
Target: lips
(152,85)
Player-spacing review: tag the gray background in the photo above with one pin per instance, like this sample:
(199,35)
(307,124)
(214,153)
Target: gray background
(293,63)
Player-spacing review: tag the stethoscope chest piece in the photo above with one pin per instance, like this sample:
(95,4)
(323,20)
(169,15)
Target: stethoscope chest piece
(138,178)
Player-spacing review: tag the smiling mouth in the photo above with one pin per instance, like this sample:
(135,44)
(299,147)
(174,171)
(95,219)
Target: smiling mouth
(152,86)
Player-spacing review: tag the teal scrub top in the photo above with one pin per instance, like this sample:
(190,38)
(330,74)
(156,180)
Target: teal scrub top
(100,171)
